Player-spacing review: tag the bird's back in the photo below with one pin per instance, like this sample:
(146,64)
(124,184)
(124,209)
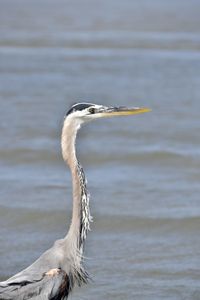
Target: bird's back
(53,285)
(44,279)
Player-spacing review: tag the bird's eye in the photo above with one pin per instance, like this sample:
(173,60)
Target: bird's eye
(91,110)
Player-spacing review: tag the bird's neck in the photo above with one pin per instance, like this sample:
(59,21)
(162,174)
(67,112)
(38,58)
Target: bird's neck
(81,218)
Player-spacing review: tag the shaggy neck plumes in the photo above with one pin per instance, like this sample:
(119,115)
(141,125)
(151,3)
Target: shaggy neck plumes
(81,213)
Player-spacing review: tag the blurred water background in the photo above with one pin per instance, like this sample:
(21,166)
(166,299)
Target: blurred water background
(143,171)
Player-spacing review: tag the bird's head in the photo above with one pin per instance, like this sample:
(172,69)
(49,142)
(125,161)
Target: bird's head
(81,113)
(84,112)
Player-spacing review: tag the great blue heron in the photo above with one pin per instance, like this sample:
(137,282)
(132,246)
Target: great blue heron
(55,272)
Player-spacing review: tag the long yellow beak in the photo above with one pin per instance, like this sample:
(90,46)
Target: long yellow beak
(123,111)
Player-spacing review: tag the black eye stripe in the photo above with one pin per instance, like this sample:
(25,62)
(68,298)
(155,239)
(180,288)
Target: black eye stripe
(92,110)
(78,107)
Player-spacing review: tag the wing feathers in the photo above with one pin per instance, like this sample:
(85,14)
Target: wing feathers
(53,285)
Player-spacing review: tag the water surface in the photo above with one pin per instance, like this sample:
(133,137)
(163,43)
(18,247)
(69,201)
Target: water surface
(143,172)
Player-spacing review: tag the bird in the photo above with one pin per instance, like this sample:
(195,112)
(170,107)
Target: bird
(54,274)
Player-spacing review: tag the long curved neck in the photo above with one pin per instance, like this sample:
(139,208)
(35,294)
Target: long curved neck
(81,218)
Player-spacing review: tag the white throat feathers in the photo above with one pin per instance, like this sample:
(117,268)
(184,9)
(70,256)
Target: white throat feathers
(84,209)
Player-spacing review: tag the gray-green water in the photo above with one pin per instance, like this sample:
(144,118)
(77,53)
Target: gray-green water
(143,171)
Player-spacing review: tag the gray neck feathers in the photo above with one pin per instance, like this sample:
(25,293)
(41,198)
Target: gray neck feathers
(81,213)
